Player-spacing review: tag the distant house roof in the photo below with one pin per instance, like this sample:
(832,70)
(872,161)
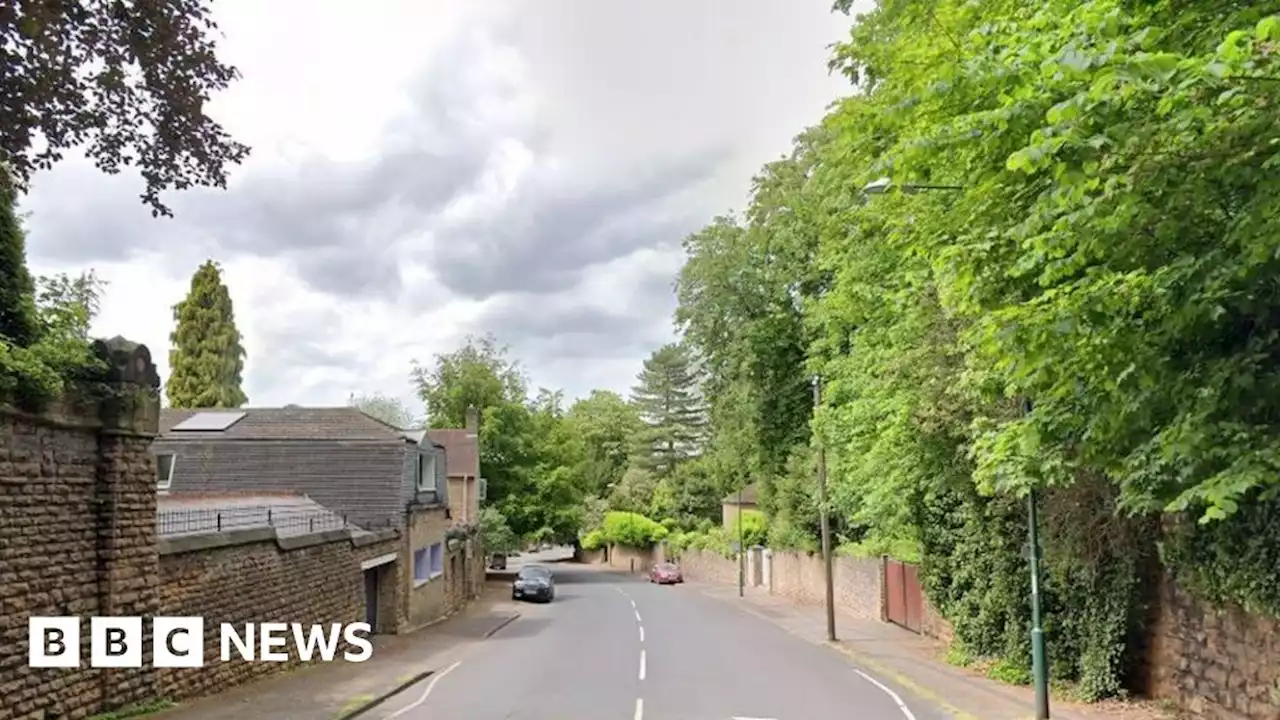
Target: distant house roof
(461,451)
(748,497)
(206,512)
(287,423)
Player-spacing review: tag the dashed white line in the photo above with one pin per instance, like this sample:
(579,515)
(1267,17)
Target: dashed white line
(639,708)
(642,663)
(638,616)
(633,603)
(641,633)
(425,693)
(906,711)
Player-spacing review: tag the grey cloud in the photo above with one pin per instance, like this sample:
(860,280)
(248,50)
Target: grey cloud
(556,228)
(341,223)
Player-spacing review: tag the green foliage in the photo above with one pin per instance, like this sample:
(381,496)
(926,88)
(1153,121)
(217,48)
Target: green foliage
(129,84)
(389,410)
(754,529)
(206,362)
(710,539)
(18,323)
(1236,561)
(593,540)
(496,533)
(631,529)
(668,400)
(606,425)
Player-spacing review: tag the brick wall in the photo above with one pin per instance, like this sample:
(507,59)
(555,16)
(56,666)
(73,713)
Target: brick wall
(253,576)
(77,533)
(708,567)
(1215,663)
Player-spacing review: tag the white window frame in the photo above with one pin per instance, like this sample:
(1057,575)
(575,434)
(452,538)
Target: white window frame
(168,480)
(427,481)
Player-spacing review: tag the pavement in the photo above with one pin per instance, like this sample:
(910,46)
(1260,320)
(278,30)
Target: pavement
(614,646)
(338,690)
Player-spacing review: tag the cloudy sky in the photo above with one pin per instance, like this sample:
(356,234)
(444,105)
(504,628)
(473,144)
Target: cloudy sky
(427,169)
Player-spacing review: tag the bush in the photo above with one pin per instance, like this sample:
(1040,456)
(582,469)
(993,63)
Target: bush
(631,529)
(593,540)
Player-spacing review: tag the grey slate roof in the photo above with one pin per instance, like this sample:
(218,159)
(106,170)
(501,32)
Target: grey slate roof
(290,423)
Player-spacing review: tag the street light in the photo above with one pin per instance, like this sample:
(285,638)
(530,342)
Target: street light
(1039,654)
(883,185)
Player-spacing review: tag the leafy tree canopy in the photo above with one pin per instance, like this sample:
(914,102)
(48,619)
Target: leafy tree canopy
(128,82)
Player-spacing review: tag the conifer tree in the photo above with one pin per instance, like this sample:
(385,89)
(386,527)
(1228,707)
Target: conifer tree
(670,403)
(206,361)
(18,325)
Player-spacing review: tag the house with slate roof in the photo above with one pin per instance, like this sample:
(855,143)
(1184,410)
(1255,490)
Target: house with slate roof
(333,464)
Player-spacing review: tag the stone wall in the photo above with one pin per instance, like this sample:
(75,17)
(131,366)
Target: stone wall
(77,533)
(254,576)
(800,578)
(1215,663)
(629,559)
(427,599)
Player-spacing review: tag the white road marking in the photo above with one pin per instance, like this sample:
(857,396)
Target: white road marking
(639,708)
(641,633)
(425,693)
(906,711)
(638,616)
(633,603)
(641,664)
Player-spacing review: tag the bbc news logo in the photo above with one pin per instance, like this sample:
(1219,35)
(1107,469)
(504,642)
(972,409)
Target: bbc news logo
(178,642)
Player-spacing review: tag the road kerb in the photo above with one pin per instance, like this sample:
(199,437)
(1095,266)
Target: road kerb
(367,706)
(413,679)
(514,616)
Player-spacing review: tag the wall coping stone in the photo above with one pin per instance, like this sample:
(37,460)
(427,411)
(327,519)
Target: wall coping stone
(247,536)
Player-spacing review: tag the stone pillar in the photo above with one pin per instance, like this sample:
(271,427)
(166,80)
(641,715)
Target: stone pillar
(125,498)
(767,562)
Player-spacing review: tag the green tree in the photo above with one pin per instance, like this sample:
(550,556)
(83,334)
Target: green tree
(18,323)
(388,409)
(634,491)
(670,404)
(130,82)
(206,364)
(497,534)
(606,425)
(479,374)
(631,529)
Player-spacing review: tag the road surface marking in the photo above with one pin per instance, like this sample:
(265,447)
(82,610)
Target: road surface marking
(425,693)
(633,603)
(739,717)
(641,664)
(906,711)
(639,708)
(638,616)
(641,633)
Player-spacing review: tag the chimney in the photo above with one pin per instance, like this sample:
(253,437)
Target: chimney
(473,420)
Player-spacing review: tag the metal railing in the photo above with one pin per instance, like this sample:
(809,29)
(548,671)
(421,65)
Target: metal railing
(285,520)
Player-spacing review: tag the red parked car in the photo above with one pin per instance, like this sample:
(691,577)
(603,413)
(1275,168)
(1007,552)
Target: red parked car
(665,574)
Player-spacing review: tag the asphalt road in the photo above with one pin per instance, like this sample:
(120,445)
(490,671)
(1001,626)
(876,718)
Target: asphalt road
(611,646)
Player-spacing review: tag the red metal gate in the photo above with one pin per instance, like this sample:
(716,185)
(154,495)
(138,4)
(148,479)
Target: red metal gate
(903,598)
